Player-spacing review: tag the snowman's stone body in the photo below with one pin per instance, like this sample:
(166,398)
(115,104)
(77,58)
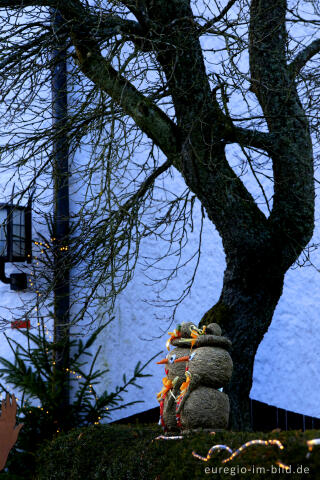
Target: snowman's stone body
(169,414)
(213,365)
(176,369)
(205,408)
(209,367)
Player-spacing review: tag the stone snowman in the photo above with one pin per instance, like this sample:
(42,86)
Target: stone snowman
(195,369)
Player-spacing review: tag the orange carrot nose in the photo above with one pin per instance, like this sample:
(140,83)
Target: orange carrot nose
(164,360)
(182,359)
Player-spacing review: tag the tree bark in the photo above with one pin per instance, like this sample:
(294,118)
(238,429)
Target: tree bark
(244,311)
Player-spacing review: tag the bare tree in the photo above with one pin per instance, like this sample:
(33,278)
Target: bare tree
(156,77)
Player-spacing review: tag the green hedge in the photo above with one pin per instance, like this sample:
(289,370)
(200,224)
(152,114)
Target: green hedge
(130,452)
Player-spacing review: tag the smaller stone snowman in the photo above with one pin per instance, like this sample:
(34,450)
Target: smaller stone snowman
(196,369)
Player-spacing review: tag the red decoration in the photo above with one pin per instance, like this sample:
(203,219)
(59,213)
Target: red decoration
(20,324)
(161,415)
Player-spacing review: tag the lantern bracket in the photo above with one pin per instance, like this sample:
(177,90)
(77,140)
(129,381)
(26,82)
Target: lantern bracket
(3,277)
(17,281)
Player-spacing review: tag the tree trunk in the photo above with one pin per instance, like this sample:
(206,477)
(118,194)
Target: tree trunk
(244,312)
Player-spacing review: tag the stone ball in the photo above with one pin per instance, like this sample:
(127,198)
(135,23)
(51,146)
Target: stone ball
(176,369)
(205,408)
(169,415)
(185,329)
(213,365)
(213,329)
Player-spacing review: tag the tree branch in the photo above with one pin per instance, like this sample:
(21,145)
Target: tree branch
(27,3)
(304,56)
(104,24)
(107,26)
(102,27)
(124,209)
(23,51)
(111,26)
(251,138)
(267,52)
(292,216)
(146,114)
(218,17)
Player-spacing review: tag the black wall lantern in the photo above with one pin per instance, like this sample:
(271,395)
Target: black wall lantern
(15,241)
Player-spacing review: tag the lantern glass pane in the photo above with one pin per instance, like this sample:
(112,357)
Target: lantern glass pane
(3,232)
(18,233)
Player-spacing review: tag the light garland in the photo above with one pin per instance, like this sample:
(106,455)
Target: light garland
(42,246)
(211,451)
(90,388)
(164,437)
(311,444)
(238,451)
(46,329)
(253,442)
(217,448)
(282,465)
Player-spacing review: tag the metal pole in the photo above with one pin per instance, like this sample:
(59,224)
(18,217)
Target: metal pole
(61,203)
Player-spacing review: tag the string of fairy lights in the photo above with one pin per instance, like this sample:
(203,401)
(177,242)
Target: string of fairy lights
(43,245)
(90,388)
(32,284)
(234,453)
(238,451)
